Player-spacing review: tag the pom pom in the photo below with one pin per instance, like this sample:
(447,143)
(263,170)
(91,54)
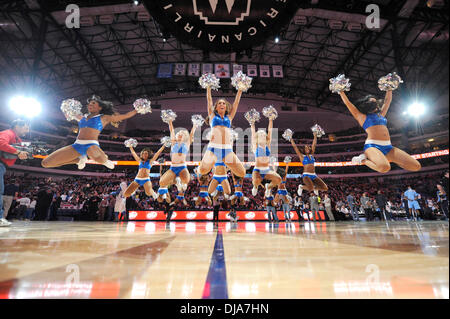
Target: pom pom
(317,129)
(287,135)
(339,84)
(390,82)
(209,80)
(241,81)
(168,116)
(270,112)
(161,160)
(287,159)
(71,109)
(198,120)
(131,143)
(142,106)
(252,116)
(166,141)
(273,160)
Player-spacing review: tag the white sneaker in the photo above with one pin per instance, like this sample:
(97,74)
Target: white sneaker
(82,162)
(300,190)
(255,191)
(214,193)
(154,195)
(4,223)
(316,192)
(359,159)
(268,193)
(178,184)
(109,164)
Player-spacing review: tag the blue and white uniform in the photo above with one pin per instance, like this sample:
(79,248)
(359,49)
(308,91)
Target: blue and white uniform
(283,192)
(374,119)
(95,122)
(142,181)
(204,194)
(220,178)
(307,160)
(262,152)
(238,194)
(220,151)
(178,148)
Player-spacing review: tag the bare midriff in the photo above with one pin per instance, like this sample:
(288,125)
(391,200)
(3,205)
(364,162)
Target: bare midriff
(309,169)
(178,159)
(88,134)
(221,135)
(378,133)
(263,162)
(143,173)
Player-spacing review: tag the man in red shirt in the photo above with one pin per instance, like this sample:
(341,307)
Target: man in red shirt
(8,137)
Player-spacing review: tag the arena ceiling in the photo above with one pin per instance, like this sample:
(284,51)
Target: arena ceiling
(119,46)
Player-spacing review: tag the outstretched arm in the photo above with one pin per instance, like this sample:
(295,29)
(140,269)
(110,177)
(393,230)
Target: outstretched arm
(235,104)
(253,129)
(191,136)
(314,144)
(299,154)
(287,169)
(352,108)
(156,156)
(269,132)
(387,103)
(136,157)
(119,117)
(210,102)
(172,132)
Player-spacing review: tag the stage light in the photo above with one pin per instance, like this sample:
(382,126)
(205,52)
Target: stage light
(416,109)
(277,39)
(26,106)
(136,2)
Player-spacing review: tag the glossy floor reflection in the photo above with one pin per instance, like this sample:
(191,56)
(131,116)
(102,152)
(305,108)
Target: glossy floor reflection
(203,260)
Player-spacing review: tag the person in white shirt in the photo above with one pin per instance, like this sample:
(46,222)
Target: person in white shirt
(30,210)
(24,203)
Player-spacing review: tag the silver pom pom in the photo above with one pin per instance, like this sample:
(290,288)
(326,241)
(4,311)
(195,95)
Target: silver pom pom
(168,116)
(166,141)
(161,160)
(198,120)
(142,106)
(273,160)
(252,116)
(234,135)
(241,81)
(287,159)
(131,143)
(317,129)
(270,112)
(71,109)
(209,80)
(287,135)
(390,82)
(339,84)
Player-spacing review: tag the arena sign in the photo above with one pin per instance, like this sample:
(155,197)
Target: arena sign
(222,25)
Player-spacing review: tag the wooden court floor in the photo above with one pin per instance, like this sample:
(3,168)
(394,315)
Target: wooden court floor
(249,260)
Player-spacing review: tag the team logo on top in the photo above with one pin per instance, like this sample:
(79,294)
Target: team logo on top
(222,12)
(210,216)
(222,25)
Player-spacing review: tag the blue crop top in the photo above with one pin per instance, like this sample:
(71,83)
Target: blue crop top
(218,121)
(308,159)
(373,119)
(145,165)
(261,152)
(178,148)
(94,122)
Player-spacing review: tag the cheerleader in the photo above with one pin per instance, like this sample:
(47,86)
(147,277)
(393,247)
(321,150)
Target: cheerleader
(238,197)
(165,195)
(378,151)
(178,172)
(261,148)
(203,181)
(220,182)
(311,181)
(220,149)
(100,114)
(282,195)
(143,176)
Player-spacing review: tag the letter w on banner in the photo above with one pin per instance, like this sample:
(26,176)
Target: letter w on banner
(222,70)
